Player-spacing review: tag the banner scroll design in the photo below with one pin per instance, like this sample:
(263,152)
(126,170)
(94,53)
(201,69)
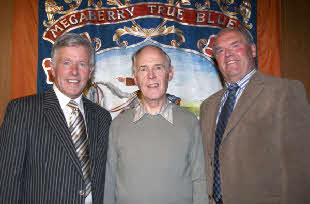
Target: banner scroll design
(119,27)
(124,13)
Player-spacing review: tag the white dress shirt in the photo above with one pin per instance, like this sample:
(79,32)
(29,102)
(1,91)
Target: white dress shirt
(63,101)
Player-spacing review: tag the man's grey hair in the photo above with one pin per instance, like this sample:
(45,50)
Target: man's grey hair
(134,56)
(241,29)
(71,40)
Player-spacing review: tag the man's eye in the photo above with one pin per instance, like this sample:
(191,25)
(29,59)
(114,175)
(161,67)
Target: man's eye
(235,45)
(66,63)
(158,67)
(142,69)
(219,51)
(82,64)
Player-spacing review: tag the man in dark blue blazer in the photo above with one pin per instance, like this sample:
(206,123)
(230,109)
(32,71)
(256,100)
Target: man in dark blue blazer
(38,158)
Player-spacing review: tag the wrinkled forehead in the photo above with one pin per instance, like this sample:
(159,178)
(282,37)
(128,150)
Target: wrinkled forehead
(79,49)
(151,55)
(228,37)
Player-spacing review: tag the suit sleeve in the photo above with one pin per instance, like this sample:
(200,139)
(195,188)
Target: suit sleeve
(110,177)
(200,195)
(13,140)
(296,142)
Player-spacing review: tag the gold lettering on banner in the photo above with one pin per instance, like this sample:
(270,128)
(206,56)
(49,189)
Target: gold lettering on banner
(54,31)
(200,17)
(73,20)
(218,19)
(83,17)
(92,16)
(215,19)
(169,11)
(100,16)
(232,23)
(86,16)
(65,23)
(151,8)
(118,11)
(160,10)
(205,18)
(111,16)
(127,12)
(130,12)
(209,18)
(180,14)
(120,15)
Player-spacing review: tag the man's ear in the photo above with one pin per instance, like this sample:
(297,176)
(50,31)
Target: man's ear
(253,49)
(53,69)
(134,78)
(171,73)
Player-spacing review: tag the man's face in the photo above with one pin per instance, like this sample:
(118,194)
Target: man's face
(152,75)
(71,70)
(234,56)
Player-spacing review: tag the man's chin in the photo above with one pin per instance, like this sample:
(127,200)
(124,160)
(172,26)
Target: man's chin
(73,94)
(154,98)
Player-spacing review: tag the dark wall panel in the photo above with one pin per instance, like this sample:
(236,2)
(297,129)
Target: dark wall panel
(295,51)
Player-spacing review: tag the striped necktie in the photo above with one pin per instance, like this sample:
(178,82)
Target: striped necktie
(220,129)
(79,138)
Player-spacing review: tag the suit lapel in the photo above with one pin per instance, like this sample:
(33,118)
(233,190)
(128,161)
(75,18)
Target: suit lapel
(57,121)
(253,89)
(92,128)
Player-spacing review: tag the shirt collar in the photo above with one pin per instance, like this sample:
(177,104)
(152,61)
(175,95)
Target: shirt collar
(64,100)
(244,80)
(166,112)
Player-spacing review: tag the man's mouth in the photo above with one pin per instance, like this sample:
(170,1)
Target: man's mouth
(231,62)
(153,85)
(73,81)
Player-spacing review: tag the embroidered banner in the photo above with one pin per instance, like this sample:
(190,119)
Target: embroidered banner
(184,29)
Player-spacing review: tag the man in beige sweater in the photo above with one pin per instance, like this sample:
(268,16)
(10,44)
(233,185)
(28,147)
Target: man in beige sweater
(155,153)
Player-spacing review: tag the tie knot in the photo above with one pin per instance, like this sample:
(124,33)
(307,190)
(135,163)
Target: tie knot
(233,88)
(73,105)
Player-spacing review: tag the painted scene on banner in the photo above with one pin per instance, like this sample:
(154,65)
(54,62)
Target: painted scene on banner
(183,29)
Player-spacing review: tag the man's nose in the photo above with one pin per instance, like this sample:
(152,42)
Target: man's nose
(228,52)
(150,73)
(74,68)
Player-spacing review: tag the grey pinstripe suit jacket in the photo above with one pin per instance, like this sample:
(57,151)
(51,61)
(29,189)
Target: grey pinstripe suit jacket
(37,158)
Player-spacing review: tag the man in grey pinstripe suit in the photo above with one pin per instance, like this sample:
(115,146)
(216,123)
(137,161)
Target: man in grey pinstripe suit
(37,156)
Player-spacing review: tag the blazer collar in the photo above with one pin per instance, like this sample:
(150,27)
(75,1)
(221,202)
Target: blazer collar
(56,119)
(253,89)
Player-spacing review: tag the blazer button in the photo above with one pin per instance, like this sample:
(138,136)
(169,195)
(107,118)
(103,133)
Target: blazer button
(82,192)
